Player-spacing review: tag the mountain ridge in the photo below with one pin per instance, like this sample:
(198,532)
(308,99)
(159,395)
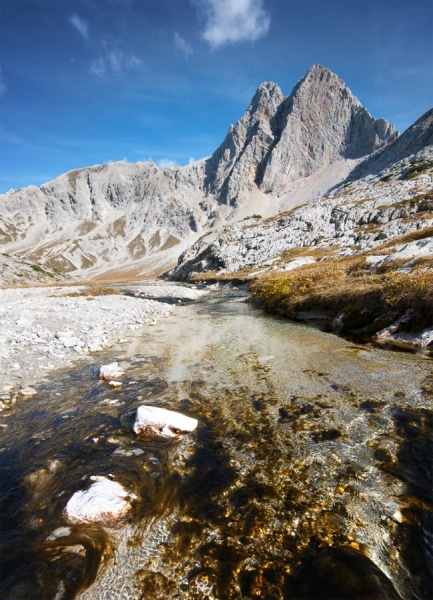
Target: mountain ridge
(284,150)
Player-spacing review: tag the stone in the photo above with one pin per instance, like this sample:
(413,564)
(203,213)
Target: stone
(105,501)
(110,371)
(298,262)
(64,334)
(151,420)
(28,391)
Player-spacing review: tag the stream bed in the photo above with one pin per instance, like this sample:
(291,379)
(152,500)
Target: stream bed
(308,477)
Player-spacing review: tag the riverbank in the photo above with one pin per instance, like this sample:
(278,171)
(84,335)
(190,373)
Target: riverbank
(393,304)
(46,328)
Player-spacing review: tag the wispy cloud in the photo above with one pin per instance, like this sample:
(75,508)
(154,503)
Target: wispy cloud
(166,162)
(114,62)
(182,44)
(193,160)
(80,25)
(230,21)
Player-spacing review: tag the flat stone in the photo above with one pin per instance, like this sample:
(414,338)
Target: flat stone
(151,420)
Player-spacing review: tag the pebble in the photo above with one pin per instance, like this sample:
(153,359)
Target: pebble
(28,391)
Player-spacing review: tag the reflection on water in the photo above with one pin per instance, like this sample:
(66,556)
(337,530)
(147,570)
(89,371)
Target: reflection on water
(308,477)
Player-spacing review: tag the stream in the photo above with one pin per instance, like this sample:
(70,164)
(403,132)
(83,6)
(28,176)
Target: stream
(308,477)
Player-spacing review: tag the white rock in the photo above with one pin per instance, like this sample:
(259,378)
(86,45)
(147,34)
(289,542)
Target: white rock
(64,334)
(105,501)
(376,258)
(110,371)
(28,391)
(115,383)
(299,262)
(69,342)
(59,532)
(162,422)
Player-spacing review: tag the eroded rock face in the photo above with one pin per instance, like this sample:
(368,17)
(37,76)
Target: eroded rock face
(352,218)
(413,141)
(124,216)
(282,139)
(151,420)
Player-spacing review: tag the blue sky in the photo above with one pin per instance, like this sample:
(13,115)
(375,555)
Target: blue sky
(92,81)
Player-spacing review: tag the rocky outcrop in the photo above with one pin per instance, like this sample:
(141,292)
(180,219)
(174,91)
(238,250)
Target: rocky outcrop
(414,140)
(353,218)
(282,139)
(125,217)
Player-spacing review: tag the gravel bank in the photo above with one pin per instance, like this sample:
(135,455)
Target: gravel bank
(42,329)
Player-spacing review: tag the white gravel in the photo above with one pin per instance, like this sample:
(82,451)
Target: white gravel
(42,329)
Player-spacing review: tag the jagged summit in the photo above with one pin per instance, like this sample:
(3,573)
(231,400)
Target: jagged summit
(282,139)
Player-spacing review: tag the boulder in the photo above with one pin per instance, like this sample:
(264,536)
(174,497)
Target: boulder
(111,371)
(105,501)
(151,420)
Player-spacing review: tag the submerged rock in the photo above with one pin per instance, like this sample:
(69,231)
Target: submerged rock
(152,420)
(111,371)
(105,501)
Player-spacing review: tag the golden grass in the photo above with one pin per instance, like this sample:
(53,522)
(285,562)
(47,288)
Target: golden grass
(96,290)
(346,284)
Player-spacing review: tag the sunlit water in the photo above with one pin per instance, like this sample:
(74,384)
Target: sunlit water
(308,477)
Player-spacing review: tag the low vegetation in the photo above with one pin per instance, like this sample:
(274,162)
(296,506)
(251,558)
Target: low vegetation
(416,168)
(40,269)
(95,290)
(346,285)
(253,217)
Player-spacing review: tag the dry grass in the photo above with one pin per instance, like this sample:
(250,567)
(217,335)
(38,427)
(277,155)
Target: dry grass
(96,290)
(345,284)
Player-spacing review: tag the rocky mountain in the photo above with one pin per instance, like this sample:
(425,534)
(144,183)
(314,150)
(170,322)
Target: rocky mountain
(135,218)
(283,139)
(356,216)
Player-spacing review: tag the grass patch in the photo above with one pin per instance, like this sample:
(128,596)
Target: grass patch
(346,285)
(417,168)
(96,290)
(39,269)
(253,217)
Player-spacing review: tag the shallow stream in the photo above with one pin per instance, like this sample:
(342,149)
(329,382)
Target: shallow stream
(308,477)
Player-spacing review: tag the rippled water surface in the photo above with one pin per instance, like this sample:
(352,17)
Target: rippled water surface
(308,477)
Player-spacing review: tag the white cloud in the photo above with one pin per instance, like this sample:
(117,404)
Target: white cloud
(182,45)
(192,160)
(80,25)
(230,21)
(114,62)
(166,162)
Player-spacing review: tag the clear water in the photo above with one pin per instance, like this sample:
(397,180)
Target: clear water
(309,475)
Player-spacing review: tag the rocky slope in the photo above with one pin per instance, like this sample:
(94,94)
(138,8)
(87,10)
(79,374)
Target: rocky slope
(135,218)
(353,217)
